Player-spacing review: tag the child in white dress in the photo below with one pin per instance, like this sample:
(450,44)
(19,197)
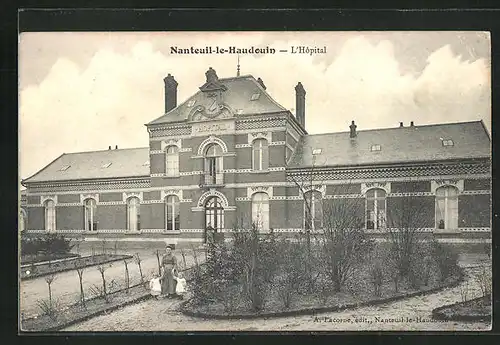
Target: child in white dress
(180,288)
(155,286)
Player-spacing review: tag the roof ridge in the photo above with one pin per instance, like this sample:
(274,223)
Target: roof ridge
(397,128)
(94,151)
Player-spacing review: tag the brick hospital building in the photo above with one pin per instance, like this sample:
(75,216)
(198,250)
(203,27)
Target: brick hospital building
(231,154)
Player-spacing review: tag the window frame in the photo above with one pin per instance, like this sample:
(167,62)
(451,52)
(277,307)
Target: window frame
(453,218)
(314,214)
(172,205)
(50,215)
(377,223)
(137,206)
(92,207)
(264,211)
(172,158)
(260,147)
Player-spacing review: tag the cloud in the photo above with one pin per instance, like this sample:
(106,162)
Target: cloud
(108,101)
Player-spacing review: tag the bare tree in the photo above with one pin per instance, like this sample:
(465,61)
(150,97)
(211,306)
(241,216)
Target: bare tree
(49,280)
(158,261)
(343,241)
(138,261)
(127,276)
(80,270)
(407,217)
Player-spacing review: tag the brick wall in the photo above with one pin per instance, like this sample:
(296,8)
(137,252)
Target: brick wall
(106,197)
(420,209)
(111,216)
(482,184)
(69,217)
(36,218)
(474,211)
(68,198)
(410,187)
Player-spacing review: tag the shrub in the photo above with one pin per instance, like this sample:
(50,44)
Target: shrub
(49,307)
(484,280)
(377,278)
(445,258)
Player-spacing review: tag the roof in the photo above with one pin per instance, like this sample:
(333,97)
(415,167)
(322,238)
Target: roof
(237,96)
(401,144)
(91,165)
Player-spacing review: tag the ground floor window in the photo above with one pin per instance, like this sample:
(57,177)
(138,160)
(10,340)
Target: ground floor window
(133,214)
(375,209)
(90,222)
(50,215)
(214,215)
(172,212)
(260,211)
(447,207)
(313,210)
(22,220)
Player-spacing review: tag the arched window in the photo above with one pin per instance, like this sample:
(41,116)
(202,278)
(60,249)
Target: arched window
(214,214)
(90,222)
(313,210)
(213,165)
(22,219)
(260,211)
(172,161)
(50,215)
(260,155)
(133,214)
(375,209)
(447,207)
(172,212)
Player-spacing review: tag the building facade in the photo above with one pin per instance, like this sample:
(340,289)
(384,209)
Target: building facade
(230,156)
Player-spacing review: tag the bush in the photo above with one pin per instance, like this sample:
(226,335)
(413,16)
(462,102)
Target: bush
(445,258)
(377,277)
(48,244)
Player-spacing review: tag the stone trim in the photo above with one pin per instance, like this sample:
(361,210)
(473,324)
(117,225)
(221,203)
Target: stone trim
(277,143)
(386,186)
(485,229)
(108,203)
(127,195)
(259,189)
(166,192)
(476,192)
(457,183)
(46,197)
(85,196)
(211,140)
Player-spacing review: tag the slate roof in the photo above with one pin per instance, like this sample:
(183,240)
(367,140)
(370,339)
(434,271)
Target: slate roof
(238,96)
(89,165)
(401,144)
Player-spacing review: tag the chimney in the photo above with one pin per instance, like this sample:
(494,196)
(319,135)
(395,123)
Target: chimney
(109,148)
(353,130)
(300,104)
(261,83)
(116,147)
(401,124)
(211,75)
(411,124)
(170,93)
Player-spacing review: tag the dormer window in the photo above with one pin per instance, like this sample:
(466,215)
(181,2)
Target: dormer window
(191,103)
(376,147)
(316,151)
(107,165)
(146,164)
(255,96)
(448,142)
(64,168)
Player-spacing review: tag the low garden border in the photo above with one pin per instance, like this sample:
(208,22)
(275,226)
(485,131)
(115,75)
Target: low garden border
(44,259)
(308,311)
(68,265)
(439,314)
(29,324)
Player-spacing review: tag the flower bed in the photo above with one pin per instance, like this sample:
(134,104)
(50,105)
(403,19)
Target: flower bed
(310,304)
(95,306)
(478,309)
(39,270)
(77,312)
(33,259)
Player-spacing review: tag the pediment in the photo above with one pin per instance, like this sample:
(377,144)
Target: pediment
(212,86)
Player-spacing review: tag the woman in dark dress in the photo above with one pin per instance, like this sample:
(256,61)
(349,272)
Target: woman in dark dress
(168,263)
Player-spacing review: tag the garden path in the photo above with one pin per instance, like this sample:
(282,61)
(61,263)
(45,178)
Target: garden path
(163,315)
(66,288)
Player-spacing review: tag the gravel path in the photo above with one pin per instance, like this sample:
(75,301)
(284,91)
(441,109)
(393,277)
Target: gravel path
(66,288)
(163,315)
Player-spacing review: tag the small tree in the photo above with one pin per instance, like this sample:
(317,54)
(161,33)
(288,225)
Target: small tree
(344,244)
(158,261)
(127,276)
(377,277)
(183,254)
(103,244)
(49,280)
(102,270)
(138,261)
(79,271)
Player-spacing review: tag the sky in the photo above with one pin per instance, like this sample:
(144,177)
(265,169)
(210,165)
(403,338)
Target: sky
(87,91)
